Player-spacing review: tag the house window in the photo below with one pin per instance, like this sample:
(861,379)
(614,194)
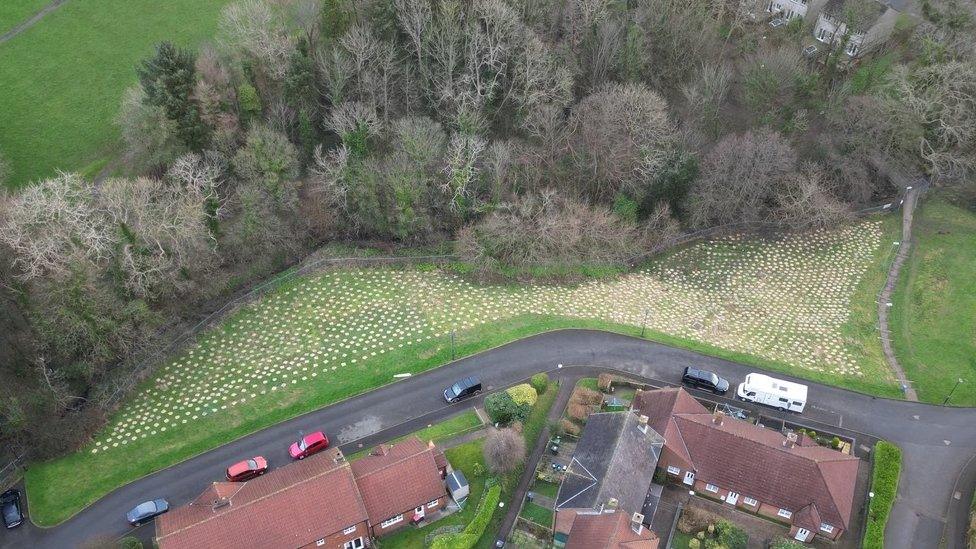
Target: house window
(749,501)
(784,513)
(852,49)
(433,504)
(354,544)
(673,470)
(349,530)
(419,509)
(711,488)
(826,528)
(320,542)
(391,521)
(689,478)
(822,34)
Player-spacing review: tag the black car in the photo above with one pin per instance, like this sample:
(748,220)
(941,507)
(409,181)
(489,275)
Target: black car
(146,510)
(464,388)
(13,516)
(704,379)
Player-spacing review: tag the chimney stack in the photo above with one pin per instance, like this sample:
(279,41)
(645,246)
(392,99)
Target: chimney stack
(790,440)
(718,417)
(637,523)
(642,423)
(220,503)
(380,450)
(339,458)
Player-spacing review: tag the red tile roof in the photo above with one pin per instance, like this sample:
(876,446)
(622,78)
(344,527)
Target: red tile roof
(289,507)
(755,461)
(401,477)
(604,530)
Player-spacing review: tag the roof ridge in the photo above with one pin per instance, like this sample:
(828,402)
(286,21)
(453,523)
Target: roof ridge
(426,449)
(262,498)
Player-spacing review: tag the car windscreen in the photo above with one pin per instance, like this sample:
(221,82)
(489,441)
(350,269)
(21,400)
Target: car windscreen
(10,512)
(251,464)
(302,445)
(714,379)
(456,389)
(146,508)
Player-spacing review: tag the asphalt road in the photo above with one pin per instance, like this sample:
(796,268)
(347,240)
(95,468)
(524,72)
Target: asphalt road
(938,442)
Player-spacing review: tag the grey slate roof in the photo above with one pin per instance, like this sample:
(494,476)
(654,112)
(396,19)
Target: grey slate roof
(613,459)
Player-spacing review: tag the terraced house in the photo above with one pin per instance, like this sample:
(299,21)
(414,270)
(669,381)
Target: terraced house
(786,478)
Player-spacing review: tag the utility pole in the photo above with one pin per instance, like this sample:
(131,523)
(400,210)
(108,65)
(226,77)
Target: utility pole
(953,390)
(452,345)
(644,321)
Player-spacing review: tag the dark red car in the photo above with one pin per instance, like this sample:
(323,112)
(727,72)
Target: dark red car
(247,469)
(308,445)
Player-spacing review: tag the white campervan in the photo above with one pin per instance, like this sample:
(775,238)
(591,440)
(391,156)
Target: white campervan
(777,393)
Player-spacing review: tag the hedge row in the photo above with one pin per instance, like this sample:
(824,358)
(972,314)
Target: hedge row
(476,528)
(884,484)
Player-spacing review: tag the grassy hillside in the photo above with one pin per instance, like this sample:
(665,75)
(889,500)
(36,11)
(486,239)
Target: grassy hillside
(788,304)
(934,312)
(62,79)
(13,12)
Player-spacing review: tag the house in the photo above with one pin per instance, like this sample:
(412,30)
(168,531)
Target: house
(787,478)
(611,530)
(859,26)
(612,466)
(787,10)
(314,503)
(401,483)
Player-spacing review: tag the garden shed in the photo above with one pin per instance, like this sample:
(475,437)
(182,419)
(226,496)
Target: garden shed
(457,486)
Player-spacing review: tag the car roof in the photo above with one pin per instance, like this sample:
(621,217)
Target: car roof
(239,467)
(317,435)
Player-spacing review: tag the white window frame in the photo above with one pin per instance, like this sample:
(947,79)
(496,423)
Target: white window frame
(433,504)
(354,544)
(826,528)
(391,521)
(320,542)
(784,513)
(822,34)
(852,48)
(674,470)
(711,488)
(689,478)
(750,501)
(349,530)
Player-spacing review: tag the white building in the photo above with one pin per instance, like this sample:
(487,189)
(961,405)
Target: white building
(861,25)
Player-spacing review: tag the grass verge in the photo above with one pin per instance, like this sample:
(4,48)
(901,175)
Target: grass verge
(537,514)
(884,484)
(932,321)
(449,428)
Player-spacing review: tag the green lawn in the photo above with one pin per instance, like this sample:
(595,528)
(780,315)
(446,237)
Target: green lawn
(61,80)
(548,489)
(537,514)
(933,320)
(315,340)
(14,12)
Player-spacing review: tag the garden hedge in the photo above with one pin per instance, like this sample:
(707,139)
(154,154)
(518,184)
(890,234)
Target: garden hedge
(476,528)
(523,394)
(884,484)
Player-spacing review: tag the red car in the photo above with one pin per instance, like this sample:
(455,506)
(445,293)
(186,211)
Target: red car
(247,469)
(310,444)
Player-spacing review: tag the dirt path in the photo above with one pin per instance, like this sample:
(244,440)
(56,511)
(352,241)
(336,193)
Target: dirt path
(884,300)
(30,22)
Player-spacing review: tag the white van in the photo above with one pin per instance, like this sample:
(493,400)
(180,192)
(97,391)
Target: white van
(777,393)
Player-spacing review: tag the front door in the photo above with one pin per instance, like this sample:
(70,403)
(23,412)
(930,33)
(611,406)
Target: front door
(419,512)
(802,534)
(732,498)
(689,477)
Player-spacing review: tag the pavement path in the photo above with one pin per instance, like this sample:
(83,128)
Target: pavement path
(937,441)
(884,299)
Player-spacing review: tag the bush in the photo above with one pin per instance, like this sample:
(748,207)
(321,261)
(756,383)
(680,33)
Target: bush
(604,382)
(835,443)
(523,394)
(693,543)
(476,528)
(504,450)
(540,382)
(694,520)
(569,428)
(502,408)
(582,395)
(884,484)
(730,536)
(785,543)
(130,542)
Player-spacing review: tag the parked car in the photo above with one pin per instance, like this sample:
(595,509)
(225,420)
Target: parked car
(247,469)
(308,445)
(13,515)
(146,510)
(780,394)
(705,379)
(464,388)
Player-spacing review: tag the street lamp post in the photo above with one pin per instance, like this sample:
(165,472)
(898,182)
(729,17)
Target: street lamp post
(946,401)
(644,321)
(452,345)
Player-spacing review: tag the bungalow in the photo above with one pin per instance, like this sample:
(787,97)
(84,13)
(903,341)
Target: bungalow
(858,25)
(401,483)
(789,479)
(310,504)
(609,530)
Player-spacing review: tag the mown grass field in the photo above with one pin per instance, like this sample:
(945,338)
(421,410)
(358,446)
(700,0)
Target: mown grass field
(934,307)
(14,12)
(785,305)
(61,80)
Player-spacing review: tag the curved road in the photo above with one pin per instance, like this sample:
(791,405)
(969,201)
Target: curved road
(937,442)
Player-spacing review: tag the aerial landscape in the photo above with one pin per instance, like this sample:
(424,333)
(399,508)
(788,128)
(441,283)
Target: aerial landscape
(690,274)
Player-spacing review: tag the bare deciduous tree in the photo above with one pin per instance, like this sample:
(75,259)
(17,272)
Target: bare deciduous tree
(149,137)
(255,28)
(504,450)
(706,94)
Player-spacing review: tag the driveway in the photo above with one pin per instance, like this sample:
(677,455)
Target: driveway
(937,441)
